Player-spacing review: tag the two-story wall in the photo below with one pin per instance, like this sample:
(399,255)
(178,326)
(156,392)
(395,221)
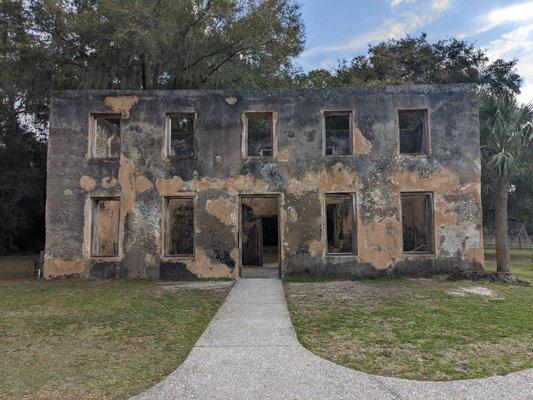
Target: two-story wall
(340,182)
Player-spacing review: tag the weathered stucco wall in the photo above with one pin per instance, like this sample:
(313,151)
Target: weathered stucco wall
(298,172)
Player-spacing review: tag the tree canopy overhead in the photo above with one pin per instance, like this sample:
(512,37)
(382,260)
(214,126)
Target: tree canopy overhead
(148,44)
(415,60)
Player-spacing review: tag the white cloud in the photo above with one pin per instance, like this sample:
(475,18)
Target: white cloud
(515,13)
(520,38)
(520,12)
(391,28)
(517,43)
(440,5)
(526,93)
(395,3)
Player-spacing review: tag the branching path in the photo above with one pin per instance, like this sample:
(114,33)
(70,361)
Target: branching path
(250,351)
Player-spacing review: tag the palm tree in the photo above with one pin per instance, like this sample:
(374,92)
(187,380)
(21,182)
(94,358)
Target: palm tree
(506,129)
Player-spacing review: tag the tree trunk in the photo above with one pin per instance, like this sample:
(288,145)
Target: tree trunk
(500,225)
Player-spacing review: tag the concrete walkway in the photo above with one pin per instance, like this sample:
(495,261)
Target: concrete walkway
(250,351)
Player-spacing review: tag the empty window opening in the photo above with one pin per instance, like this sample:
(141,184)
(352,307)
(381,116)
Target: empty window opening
(417,222)
(179,227)
(259,128)
(340,223)
(105,227)
(413,131)
(106,136)
(338,133)
(259,227)
(180,139)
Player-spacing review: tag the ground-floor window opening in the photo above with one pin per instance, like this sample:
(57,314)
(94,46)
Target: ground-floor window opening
(340,224)
(105,227)
(417,222)
(179,226)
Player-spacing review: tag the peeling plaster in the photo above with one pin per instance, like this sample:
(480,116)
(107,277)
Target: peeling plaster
(225,211)
(231,100)
(121,104)
(142,184)
(87,183)
(205,267)
(284,155)
(55,267)
(292,214)
(168,187)
(361,144)
(335,179)
(316,248)
(108,182)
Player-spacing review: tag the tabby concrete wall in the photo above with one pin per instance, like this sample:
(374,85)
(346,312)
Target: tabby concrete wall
(297,171)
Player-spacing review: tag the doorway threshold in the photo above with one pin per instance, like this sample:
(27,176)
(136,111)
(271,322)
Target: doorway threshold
(252,271)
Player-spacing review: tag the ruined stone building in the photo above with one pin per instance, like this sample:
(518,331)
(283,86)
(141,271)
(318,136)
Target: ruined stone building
(340,182)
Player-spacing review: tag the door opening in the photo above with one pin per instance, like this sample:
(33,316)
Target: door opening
(259,230)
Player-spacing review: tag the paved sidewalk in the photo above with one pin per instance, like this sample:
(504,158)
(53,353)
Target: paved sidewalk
(249,351)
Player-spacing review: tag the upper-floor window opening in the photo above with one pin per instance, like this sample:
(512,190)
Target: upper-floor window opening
(105,140)
(180,135)
(414,136)
(338,133)
(259,134)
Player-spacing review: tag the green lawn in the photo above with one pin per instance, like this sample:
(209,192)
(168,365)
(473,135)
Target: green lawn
(522,263)
(418,329)
(95,340)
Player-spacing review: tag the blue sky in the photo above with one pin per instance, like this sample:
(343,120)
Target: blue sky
(337,29)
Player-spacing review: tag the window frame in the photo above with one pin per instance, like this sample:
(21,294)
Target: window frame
(93,126)
(94,219)
(334,113)
(167,142)
(245,134)
(426,133)
(166,225)
(430,223)
(355,241)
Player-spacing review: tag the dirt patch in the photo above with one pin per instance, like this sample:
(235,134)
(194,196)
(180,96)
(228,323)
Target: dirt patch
(207,285)
(17,267)
(475,290)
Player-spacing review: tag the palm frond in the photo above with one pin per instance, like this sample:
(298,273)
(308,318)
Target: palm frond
(506,132)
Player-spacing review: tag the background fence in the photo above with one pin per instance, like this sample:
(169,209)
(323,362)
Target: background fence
(518,236)
(514,242)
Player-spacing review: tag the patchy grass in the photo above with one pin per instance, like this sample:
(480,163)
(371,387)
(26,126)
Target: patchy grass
(521,263)
(95,340)
(392,278)
(418,329)
(490,254)
(295,278)
(17,267)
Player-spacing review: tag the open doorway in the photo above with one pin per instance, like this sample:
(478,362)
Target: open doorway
(259,233)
